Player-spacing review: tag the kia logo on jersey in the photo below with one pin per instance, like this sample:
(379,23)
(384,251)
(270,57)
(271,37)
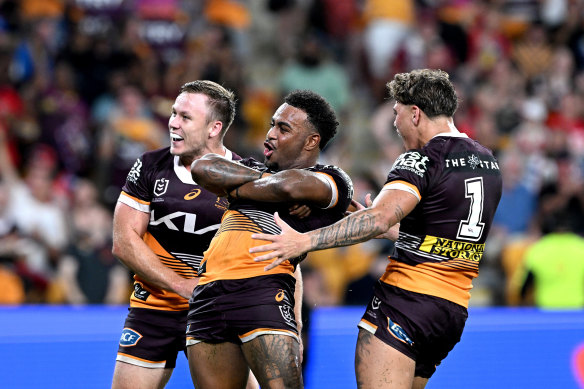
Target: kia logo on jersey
(160,186)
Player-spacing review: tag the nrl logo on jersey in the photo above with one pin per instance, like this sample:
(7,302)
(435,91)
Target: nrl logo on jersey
(134,173)
(160,186)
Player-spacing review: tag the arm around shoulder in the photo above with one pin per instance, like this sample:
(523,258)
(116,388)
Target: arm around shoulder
(220,175)
(294,185)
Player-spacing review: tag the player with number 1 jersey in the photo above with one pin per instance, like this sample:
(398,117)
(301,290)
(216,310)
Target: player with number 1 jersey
(457,182)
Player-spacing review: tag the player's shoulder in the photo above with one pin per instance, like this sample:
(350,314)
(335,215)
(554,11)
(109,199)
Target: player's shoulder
(155,157)
(331,169)
(445,144)
(148,163)
(252,163)
(234,156)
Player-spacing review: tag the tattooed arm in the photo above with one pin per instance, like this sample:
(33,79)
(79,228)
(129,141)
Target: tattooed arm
(387,210)
(220,175)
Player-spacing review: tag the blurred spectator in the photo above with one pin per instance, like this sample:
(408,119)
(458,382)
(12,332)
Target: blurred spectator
(235,16)
(313,70)
(128,133)
(553,270)
(487,42)
(88,272)
(564,195)
(335,22)
(532,53)
(387,24)
(11,252)
(33,207)
(63,118)
(519,199)
(290,22)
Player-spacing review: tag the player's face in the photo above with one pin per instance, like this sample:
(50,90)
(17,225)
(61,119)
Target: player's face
(188,125)
(286,138)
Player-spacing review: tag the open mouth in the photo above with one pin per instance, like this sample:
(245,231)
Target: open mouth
(176,138)
(268,149)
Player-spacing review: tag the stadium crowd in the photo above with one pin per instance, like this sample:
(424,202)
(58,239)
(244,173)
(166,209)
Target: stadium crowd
(86,86)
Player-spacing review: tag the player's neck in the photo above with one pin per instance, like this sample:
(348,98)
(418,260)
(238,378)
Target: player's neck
(303,162)
(219,149)
(438,127)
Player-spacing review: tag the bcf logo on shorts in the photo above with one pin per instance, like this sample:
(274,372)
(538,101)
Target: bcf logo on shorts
(129,337)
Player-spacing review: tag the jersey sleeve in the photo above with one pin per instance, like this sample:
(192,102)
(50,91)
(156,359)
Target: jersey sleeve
(410,172)
(136,191)
(252,163)
(341,186)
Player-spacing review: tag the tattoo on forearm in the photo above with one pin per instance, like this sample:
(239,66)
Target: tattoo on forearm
(399,213)
(351,230)
(228,174)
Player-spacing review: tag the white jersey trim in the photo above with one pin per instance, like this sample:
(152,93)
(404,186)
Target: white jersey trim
(334,190)
(268,332)
(400,186)
(366,326)
(125,199)
(141,363)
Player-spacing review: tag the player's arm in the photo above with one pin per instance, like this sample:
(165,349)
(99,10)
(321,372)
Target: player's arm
(128,246)
(298,293)
(220,175)
(388,209)
(391,234)
(294,185)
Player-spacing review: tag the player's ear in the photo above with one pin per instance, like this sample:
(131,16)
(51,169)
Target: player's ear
(215,129)
(312,141)
(416,112)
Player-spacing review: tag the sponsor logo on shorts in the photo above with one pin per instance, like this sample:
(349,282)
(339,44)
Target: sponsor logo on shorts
(398,332)
(160,186)
(140,293)
(287,314)
(129,337)
(280,296)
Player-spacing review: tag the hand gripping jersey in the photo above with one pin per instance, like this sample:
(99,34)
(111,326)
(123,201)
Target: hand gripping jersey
(458,184)
(184,217)
(228,256)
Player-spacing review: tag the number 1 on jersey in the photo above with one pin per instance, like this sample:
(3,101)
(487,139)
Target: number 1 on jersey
(472,228)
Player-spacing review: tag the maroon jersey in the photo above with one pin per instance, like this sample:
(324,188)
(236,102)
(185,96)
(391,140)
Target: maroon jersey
(228,256)
(184,217)
(458,184)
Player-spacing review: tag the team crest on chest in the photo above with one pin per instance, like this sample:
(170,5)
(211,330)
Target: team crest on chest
(160,186)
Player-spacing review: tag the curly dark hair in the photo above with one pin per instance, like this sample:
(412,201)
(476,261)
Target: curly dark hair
(221,100)
(319,112)
(429,89)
